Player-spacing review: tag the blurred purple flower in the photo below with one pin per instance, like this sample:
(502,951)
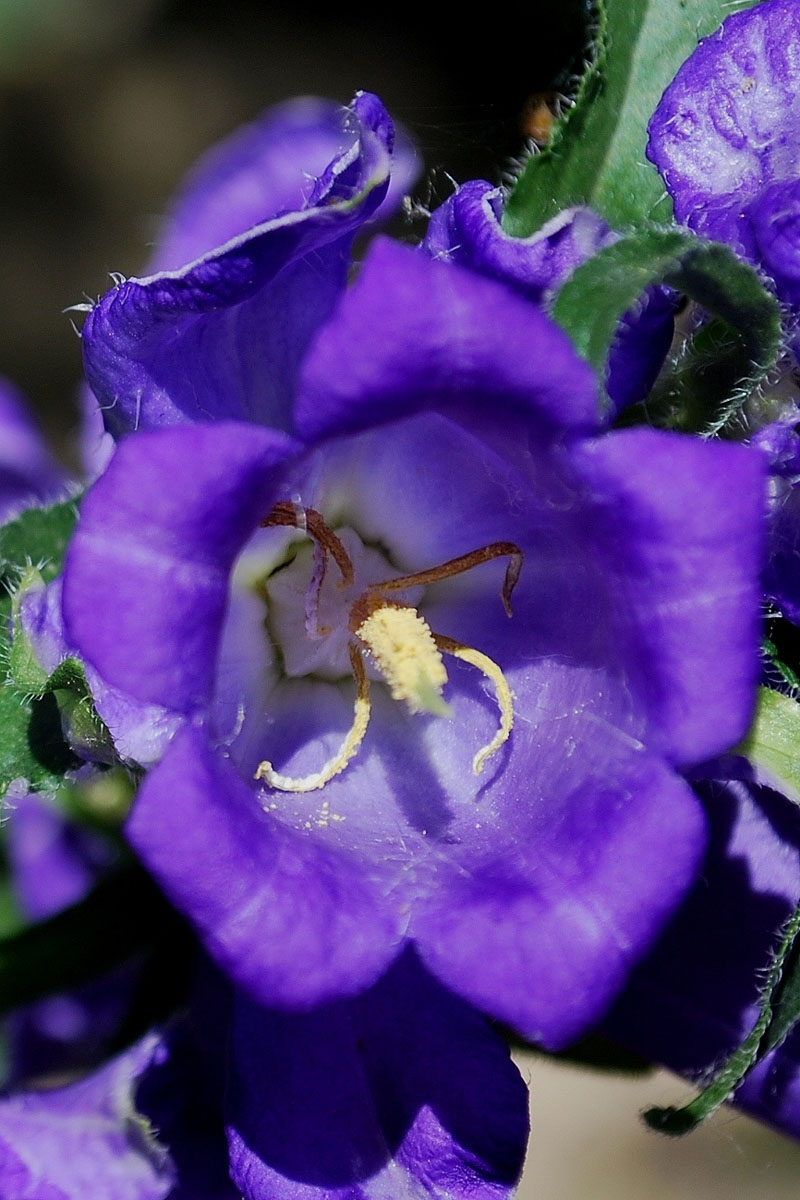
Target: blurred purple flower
(28,474)
(53,864)
(357,1098)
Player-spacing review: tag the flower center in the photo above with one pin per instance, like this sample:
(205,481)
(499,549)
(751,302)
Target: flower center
(356,620)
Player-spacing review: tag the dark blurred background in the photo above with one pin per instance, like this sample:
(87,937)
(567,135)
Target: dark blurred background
(105,103)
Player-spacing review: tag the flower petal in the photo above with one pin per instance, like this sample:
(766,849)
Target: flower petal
(223,336)
(264,170)
(541,928)
(439,335)
(681,522)
(289,919)
(145,585)
(467,230)
(85,1139)
(694,998)
(729,123)
(403,1091)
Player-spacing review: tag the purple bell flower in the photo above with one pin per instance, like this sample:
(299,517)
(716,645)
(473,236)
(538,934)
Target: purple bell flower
(467,229)
(357,1098)
(725,139)
(530,847)
(253,257)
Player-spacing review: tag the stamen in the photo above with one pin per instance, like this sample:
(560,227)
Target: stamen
(503,692)
(285,512)
(405,652)
(456,566)
(309,521)
(347,750)
(313,592)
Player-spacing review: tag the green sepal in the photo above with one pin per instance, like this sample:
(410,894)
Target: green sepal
(24,668)
(32,745)
(594,299)
(781,669)
(779,1010)
(86,731)
(772,743)
(596,154)
(38,537)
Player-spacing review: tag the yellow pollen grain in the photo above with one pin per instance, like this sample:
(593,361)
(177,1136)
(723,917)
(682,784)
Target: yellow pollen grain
(406,654)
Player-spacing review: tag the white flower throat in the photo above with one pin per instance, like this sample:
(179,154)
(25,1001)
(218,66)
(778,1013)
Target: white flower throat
(391,635)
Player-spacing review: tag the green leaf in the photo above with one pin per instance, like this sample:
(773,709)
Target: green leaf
(596,155)
(781,669)
(772,744)
(38,537)
(594,299)
(32,745)
(779,1008)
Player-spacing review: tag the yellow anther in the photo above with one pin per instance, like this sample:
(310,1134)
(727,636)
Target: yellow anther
(346,752)
(405,653)
(399,641)
(503,692)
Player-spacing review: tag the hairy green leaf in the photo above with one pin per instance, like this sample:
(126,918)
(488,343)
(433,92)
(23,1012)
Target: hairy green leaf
(592,302)
(772,743)
(779,1009)
(596,155)
(32,745)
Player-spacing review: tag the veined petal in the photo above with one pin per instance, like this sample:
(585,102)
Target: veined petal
(361,1099)
(440,337)
(729,122)
(85,1139)
(145,585)
(291,920)
(688,517)
(542,928)
(222,337)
